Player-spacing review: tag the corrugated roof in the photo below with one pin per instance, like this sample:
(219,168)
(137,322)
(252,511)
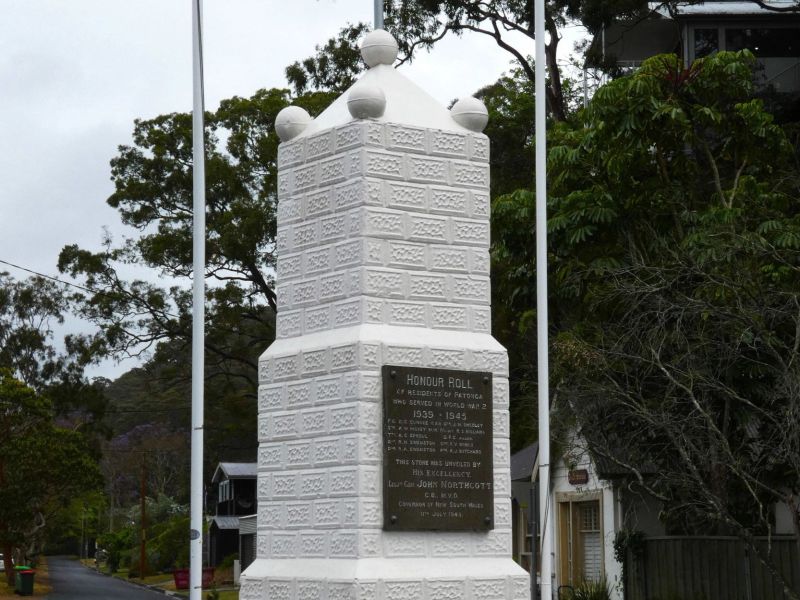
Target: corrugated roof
(226,522)
(523,462)
(724,8)
(232,470)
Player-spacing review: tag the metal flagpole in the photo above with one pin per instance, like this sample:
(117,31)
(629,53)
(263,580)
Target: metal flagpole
(541,306)
(378,14)
(198,307)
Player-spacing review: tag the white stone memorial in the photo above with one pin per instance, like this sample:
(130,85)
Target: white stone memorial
(383,238)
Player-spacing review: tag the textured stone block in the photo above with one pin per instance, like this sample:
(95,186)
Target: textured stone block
(481,320)
(290,324)
(313,484)
(404,544)
(315,361)
(317,202)
(446,358)
(313,422)
(449,143)
(385,165)
(449,201)
(401,137)
(470,174)
(432,287)
(270,456)
(348,254)
(327,513)
(299,395)
(270,398)
(333,170)
(319,145)
(332,228)
(280,590)
(303,292)
(479,261)
(383,224)
(285,183)
(289,210)
(402,590)
(344,544)
(474,233)
(347,313)
(383,284)
(317,319)
(305,177)
(349,136)
(407,313)
(480,204)
(473,288)
(298,454)
(332,287)
(427,170)
(488,589)
(427,229)
(406,196)
(449,258)
(445,589)
(327,452)
(479,148)
(290,266)
(407,255)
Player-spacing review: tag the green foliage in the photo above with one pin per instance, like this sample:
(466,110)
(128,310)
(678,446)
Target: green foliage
(168,545)
(227,562)
(334,67)
(117,544)
(29,311)
(674,208)
(591,590)
(41,465)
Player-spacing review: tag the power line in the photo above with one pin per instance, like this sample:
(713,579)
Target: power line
(50,277)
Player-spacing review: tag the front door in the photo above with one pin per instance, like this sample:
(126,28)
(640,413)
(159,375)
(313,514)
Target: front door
(580,542)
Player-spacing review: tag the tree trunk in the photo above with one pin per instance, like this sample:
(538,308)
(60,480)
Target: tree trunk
(555,93)
(7,564)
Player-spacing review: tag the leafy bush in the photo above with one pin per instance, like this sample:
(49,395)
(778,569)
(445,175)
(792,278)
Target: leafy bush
(227,562)
(592,590)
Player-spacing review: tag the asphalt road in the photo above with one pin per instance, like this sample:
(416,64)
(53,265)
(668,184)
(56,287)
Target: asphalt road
(73,581)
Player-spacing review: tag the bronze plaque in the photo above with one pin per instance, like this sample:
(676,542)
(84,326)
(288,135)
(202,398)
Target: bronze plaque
(437,449)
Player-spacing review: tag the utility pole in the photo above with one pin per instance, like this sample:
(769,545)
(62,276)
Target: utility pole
(143,520)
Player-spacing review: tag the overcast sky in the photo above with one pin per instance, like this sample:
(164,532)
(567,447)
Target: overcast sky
(74,74)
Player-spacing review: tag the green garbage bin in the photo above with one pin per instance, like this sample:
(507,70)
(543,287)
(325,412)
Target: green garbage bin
(17,580)
(26,582)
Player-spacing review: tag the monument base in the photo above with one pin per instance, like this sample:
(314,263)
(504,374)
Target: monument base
(385,579)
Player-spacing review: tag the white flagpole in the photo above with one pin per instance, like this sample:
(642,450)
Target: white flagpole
(198,307)
(541,307)
(378,14)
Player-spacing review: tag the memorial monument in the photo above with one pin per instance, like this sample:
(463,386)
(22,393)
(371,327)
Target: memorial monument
(383,465)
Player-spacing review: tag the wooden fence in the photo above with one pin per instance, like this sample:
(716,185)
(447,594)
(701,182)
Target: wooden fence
(709,568)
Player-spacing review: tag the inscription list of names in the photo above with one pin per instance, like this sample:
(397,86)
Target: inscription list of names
(437,459)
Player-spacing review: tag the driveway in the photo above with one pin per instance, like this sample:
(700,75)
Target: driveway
(73,581)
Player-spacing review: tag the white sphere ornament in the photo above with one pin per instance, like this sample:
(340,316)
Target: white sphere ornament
(291,122)
(471,113)
(366,102)
(379,48)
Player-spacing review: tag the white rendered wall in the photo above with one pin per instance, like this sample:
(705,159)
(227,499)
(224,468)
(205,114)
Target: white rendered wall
(564,490)
(383,235)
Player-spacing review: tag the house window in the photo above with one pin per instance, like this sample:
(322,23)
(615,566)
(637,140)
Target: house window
(224,490)
(777,42)
(580,542)
(706,41)
(591,541)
